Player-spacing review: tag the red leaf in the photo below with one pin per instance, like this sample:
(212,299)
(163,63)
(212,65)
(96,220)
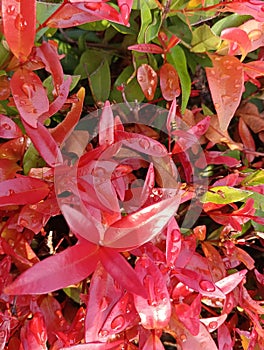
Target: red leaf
(58,271)
(106,126)
(102,11)
(19,20)
(33,334)
(173,242)
(137,228)
(8,128)
(202,341)
(29,95)
(169,82)
(121,271)
(122,316)
(226,83)
(148,48)
(213,323)
(239,39)
(63,129)
(155,310)
(252,8)
(48,54)
(44,143)
(148,80)
(103,295)
(247,139)
(69,16)
(22,190)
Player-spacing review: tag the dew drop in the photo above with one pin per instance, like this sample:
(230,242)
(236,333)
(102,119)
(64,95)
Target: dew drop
(103,333)
(183,338)
(6,126)
(10,192)
(104,303)
(217,105)
(3,335)
(28,89)
(212,71)
(207,286)
(20,22)
(150,91)
(118,323)
(213,325)
(24,223)
(144,143)
(10,10)
(129,308)
(141,78)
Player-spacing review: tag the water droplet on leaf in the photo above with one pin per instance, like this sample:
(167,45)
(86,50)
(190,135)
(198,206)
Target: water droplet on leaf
(103,333)
(144,143)
(213,325)
(28,89)
(183,338)
(20,22)
(207,286)
(104,303)
(118,323)
(6,126)
(10,9)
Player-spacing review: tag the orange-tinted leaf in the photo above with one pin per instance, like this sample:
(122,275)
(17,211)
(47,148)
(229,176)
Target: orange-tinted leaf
(63,129)
(29,95)
(8,169)
(169,82)
(153,343)
(149,48)
(13,149)
(8,128)
(238,39)
(58,271)
(22,190)
(4,88)
(226,83)
(252,8)
(247,139)
(19,19)
(148,80)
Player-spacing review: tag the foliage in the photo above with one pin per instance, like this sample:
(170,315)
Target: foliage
(128,225)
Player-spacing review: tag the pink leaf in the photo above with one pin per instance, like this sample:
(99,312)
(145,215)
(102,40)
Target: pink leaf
(44,143)
(153,343)
(213,323)
(58,271)
(137,228)
(247,139)
(173,242)
(148,48)
(29,95)
(33,334)
(22,190)
(252,8)
(155,310)
(106,126)
(224,338)
(121,271)
(226,83)
(80,224)
(125,7)
(8,128)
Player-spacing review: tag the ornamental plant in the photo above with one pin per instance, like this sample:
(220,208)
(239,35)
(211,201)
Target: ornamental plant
(132,181)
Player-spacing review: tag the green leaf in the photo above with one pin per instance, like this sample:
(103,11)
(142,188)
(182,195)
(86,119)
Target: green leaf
(95,26)
(100,82)
(153,28)
(180,29)
(137,4)
(177,58)
(146,19)
(32,159)
(44,11)
(204,39)
(48,84)
(233,20)
(225,195)
(133,91)
(257,178)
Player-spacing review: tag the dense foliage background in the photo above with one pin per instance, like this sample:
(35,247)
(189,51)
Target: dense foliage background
(132,181)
